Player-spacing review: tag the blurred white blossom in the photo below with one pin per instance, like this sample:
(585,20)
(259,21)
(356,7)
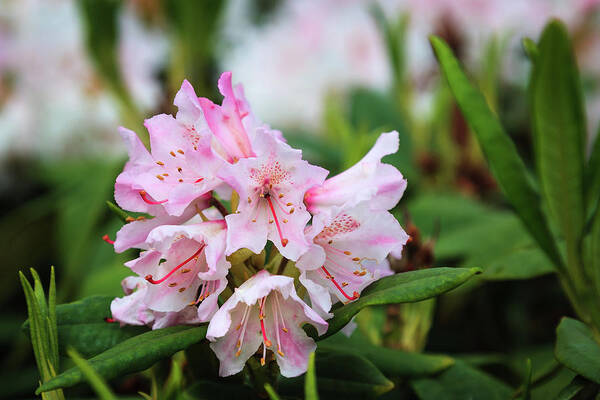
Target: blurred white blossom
(53,102)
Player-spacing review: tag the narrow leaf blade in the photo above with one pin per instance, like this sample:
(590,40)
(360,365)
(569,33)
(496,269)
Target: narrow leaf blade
(577,349)
(504,161)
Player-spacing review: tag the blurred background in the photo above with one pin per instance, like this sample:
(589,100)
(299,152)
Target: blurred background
(332,75)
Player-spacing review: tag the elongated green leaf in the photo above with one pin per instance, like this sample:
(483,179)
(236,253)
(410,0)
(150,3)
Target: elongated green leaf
(271,392)
(500,151)
(527,384)
(577,349)
(593,259)
(95,380)
(81,325)
(592,176)
(393,363)
(206,389)
(407,287)
(341,375)
(310,381)
(132,355)
(560,134)
(530,48)
(461,382)
(572,389)
(518,264)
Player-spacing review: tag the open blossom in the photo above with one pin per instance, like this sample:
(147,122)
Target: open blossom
(186,266)
(271,187)
(348,253)
(180,168)
(381,185)
(264,310)
(132,309)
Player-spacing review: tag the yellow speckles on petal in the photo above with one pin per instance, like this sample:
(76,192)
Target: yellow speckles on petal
(291,211)
(160,163)
(285,221)
(180,151)
(280,195)
(181,289)
(288,204)
(173,284)
(160,177)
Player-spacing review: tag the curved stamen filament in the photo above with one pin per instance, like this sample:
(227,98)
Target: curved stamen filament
(198,180)
(147,199)
(243,323)
(284,241)
(151,280)
(355,295)
(276,323)
(283,328)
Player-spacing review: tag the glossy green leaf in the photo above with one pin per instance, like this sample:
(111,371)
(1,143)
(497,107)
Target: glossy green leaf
(461,382)
(577,348)
(341,375)
(132,355)
(95,380)
(560,134)
(517,264)
(407,287)
(310,380)
(504,161)
(81,325)
(393,363)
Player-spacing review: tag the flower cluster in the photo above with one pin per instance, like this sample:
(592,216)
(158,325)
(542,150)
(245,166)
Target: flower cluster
(334,234)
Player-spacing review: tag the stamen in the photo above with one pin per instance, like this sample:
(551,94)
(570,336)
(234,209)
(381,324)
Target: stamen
(110,320)
(145,197)
(284,241)
(108,239)
(261,316)
(151,280)
(243,323)
(198,180)
(355,295)
(280,314)
(276,321)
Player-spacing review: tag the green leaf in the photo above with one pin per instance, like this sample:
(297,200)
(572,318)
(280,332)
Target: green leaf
(81,325)
(461,382)
(592,176)
(393,363)
(560,134)
(132,355)
(407,287)
(117,211)
(504,161)
(271,392)
(95,380)
(310,380)
(341,375)
(527,384)
(530,48)
(518,264)
(572,389)
(577,348)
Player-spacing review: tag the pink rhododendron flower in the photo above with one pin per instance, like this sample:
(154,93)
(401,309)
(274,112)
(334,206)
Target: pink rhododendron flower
(180,168)
(271,187)
(381,185)
(232,123)
(135,233)
(348,253)
(186,266)
(264,310)
(132,310)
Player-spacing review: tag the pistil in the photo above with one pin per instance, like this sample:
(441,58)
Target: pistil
(155,282)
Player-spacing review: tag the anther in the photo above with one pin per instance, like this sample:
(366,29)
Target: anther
(181,290)
(172,284)
(347,253)
(172,153)
(180,151)
(160,163)
(280,195)
(160,177)
(356,259)
(289,204)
